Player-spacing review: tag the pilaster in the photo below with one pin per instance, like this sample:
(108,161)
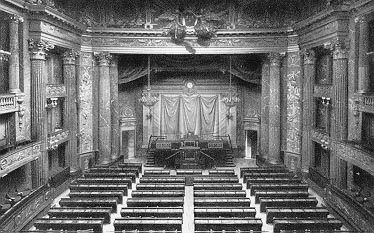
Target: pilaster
(104,107)
(38,51)
(308,113)
(363,59)
(113,72)
(71,115)
(265,91)
(14,57)
(274,109)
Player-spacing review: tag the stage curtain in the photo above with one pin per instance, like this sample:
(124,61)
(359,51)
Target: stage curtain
(189,119)
(208,116)
(170,116)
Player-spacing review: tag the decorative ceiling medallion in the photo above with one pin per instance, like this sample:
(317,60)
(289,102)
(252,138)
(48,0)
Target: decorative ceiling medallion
(189,87)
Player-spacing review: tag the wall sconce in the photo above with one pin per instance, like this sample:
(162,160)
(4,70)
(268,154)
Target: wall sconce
(325,144)
(52,102)
(326,101)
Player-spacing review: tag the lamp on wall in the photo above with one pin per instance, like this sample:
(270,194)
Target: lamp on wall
(148,99)
(231,99)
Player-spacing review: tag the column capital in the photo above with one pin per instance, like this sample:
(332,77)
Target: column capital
(38,49)
(340,51)
(69,56)
(15,18)
(275,59)
(309,56)
(103,58)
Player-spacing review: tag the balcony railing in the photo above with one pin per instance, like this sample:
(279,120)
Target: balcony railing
(8,103)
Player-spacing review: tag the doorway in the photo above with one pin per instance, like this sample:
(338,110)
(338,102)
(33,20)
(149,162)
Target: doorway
(250,144)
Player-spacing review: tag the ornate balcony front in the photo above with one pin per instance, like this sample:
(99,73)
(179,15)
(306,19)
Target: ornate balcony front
(8,103)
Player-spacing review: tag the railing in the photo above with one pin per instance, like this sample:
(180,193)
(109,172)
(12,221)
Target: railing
(152,139)
(225,138)
(171,156)
(8,103)
(368,101)
(317,178)
(208,156)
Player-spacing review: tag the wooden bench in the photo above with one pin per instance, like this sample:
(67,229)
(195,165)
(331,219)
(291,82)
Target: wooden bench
(155,202)
(164,212)
(287,202)
(189,172)
(148,224)
(225,212)
(111,175)
(98,194)
(232,224)
(277,187)
(329,224)
(310,212)
(115,170)
(224,202)
(90,202)
(99,187)
(139,166)
(218,186)
(69,224)
(156,173)
(137,193)
(210,179)
(218,172)
(94,212)
(156,180)
(163,186)
(106,180)
(270,180)
(236,193)
(261,169)
(280,194)
(267,175)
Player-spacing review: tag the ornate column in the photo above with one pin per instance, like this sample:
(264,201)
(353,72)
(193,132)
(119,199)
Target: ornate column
(113,72)
(265,90)
(38,51)
(274,109)
(14,57)
(71,115)
(339,110)
(363,58)
(104,108)
(308,107)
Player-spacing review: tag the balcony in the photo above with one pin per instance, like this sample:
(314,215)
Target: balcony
(8,103)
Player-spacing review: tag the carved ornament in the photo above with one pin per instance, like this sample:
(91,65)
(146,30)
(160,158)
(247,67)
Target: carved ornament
(322,90)
(321,138)
(69,56)
(8,103)
(275,59)
(16,159)
(340,50)
(103,58)
(309,57)
(16,18)
(57,138)
(55,90)
(39,49)
(127,112)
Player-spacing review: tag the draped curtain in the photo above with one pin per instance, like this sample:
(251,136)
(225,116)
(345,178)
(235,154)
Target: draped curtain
(183,114)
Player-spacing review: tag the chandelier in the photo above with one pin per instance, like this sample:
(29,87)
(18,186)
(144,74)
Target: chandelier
(230,99)
(148,99)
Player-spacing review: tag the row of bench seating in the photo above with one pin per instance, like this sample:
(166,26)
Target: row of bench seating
(156,204)
(221,204)
(285,199)
(92,199)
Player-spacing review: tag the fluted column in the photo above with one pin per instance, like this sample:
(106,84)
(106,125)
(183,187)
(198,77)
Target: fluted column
(114,108)
(14,57)
(71,116)
(38,51)
(308,107)
(104,108)
(363,58)
(265,90)
(339,111)
(274,109)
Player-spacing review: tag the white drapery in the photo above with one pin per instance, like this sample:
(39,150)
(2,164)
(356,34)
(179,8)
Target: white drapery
(180,115)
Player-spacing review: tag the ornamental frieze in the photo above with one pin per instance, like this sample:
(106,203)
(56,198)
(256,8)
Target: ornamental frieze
(16,159)
(55,90)
(321,138)
(57,138)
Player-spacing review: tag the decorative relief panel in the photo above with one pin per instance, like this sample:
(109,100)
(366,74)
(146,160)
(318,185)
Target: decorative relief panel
(16,159)
(322,91)
(321,138)
(85,103)
(55,90)
(58,138)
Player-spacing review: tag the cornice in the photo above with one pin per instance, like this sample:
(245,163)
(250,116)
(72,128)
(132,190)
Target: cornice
(56,15)
(363,6)
(17,3)
(323,15)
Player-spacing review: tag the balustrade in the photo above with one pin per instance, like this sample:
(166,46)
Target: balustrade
(8,103)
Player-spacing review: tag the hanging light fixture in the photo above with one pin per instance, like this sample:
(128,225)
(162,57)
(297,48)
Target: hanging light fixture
(231,99)
(148,99)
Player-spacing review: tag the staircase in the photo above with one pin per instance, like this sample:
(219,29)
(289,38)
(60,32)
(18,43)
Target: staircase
(229,159)
(150,159)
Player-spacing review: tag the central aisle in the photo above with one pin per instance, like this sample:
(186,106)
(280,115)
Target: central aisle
(188,215)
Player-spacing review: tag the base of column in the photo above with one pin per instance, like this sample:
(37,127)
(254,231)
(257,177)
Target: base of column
(274,161)
(105,161)
(15,91)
